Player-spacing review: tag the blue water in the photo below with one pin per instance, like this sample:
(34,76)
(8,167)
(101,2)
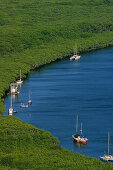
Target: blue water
(62,90)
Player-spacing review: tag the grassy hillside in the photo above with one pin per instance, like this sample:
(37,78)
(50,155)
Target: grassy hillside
(36,32)
(22,146)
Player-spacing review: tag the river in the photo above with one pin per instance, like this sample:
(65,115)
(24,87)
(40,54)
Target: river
(65,89)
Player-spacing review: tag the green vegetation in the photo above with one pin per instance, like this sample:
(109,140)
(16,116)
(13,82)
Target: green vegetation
(34,33)
(22,146)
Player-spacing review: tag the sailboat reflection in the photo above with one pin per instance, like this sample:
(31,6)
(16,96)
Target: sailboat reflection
(79,145)
(15,98)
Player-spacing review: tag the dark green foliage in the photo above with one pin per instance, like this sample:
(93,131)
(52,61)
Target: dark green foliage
(22,146)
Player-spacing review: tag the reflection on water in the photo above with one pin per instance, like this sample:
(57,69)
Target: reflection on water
(79,145)
(15,98)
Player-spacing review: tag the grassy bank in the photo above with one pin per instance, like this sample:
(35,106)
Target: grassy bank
(25,147)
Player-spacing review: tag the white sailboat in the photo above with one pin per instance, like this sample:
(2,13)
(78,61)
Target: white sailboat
(77,137)
(107,157)
(29,101)
(19,82)
(75,56)
(10,110)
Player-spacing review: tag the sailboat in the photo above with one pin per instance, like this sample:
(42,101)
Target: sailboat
(77,137)
(19,82)
(75,56)
(10,110)
(107,157)
(29,101)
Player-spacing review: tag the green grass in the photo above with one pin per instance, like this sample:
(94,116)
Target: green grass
(22,146)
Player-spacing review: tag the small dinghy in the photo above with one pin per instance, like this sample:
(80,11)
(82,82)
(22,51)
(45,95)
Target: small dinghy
(23,105)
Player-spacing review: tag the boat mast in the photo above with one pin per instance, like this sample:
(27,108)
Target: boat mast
(11,100)
(77,124)
(108,143)
(76,49)
(81,128)
(20,75)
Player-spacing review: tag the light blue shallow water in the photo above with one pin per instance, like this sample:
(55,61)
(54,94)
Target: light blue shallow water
(64,89)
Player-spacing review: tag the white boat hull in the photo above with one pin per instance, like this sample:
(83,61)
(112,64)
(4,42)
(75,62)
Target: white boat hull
(29,101)
(75,57)
(79,139)
(19,82)
(107,158)
(10,111)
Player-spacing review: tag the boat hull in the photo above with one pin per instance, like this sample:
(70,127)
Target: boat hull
(75,57)
(10,111)
(29,101)
(19,82)
(81,140)
(107,158)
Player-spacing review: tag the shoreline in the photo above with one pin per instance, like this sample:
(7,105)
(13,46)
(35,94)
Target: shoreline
(35,67)
(67,61)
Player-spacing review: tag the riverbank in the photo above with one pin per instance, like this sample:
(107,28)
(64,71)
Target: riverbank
(35,58)
(25,147)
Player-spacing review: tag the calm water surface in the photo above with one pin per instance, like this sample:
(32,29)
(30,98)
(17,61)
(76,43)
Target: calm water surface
(64,89)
